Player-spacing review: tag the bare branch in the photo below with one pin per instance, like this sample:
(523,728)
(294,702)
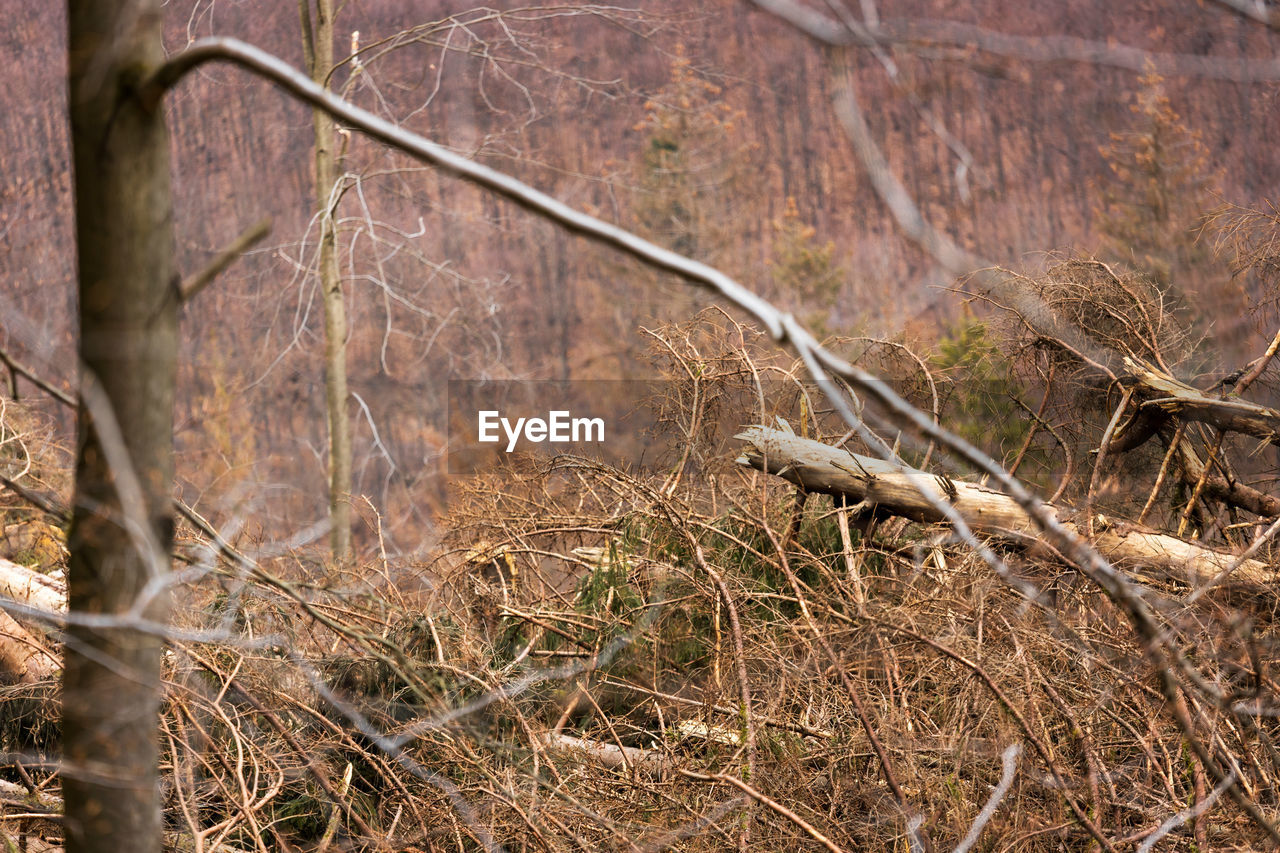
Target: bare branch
(17,367)
(1009,766)
(764,800)
(1187,814)
(295,82)
(1255,10)
(193,284)
(1051,48)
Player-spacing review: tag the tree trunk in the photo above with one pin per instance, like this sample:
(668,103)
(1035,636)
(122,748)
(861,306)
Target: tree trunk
(898,490)
(318,45)
(122,524)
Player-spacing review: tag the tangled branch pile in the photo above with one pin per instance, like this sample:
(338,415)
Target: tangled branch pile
(702,656)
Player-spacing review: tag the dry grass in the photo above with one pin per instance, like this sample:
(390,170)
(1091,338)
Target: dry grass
(790,690)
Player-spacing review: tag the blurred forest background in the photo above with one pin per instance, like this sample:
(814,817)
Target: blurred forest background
(707,127)
(695,655)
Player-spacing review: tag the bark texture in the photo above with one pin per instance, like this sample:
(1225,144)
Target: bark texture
(122,525)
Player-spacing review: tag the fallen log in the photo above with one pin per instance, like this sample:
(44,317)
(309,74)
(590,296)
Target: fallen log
(32,588)
(646,761)
(896,489)
(24,657)
(1161,392)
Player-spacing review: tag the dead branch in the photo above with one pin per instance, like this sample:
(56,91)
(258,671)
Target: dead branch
(1163,392)
(915,494)
(1040,48)
(646,761)
(193,284)
(1192,470)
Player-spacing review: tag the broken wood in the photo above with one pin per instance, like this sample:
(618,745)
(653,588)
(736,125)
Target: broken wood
(1162,393)
(24,656)
(32,588)
(1219,488)
(645,761)
(896,489)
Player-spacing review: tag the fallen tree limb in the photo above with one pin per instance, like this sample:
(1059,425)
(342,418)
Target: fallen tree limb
(899,490)
(1219,488)
(32,588)
(645,761)
(24,657)
(11,793)
(1162,392)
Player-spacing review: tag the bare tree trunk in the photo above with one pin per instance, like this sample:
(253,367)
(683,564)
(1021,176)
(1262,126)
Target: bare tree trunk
(122,524)
(318,45)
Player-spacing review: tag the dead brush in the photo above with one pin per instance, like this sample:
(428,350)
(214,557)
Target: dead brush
(1090,311)
(700,658)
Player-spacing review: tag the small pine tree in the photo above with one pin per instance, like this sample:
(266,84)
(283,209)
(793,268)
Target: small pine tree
(804,270)
(1152,208)
(980,406)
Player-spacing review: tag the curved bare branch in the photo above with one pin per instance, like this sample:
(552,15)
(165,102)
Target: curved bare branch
(298,84)
(1050,48)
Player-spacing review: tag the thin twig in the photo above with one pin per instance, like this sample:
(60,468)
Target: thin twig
(193,284)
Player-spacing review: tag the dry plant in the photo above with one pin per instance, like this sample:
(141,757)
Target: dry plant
(704,657)
(692,657)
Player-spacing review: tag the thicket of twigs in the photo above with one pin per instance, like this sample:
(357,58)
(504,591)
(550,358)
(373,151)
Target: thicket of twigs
(696,656)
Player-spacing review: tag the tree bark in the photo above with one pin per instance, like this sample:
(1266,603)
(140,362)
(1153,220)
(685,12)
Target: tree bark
(122,524)
(318,46)
(899,490)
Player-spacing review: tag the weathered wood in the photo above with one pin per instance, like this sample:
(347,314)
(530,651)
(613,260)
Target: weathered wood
(645,761)
(900,490)
(32,588)
(1217,487)
(818,467)
(24,657)
(13,793)
(1164,393)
